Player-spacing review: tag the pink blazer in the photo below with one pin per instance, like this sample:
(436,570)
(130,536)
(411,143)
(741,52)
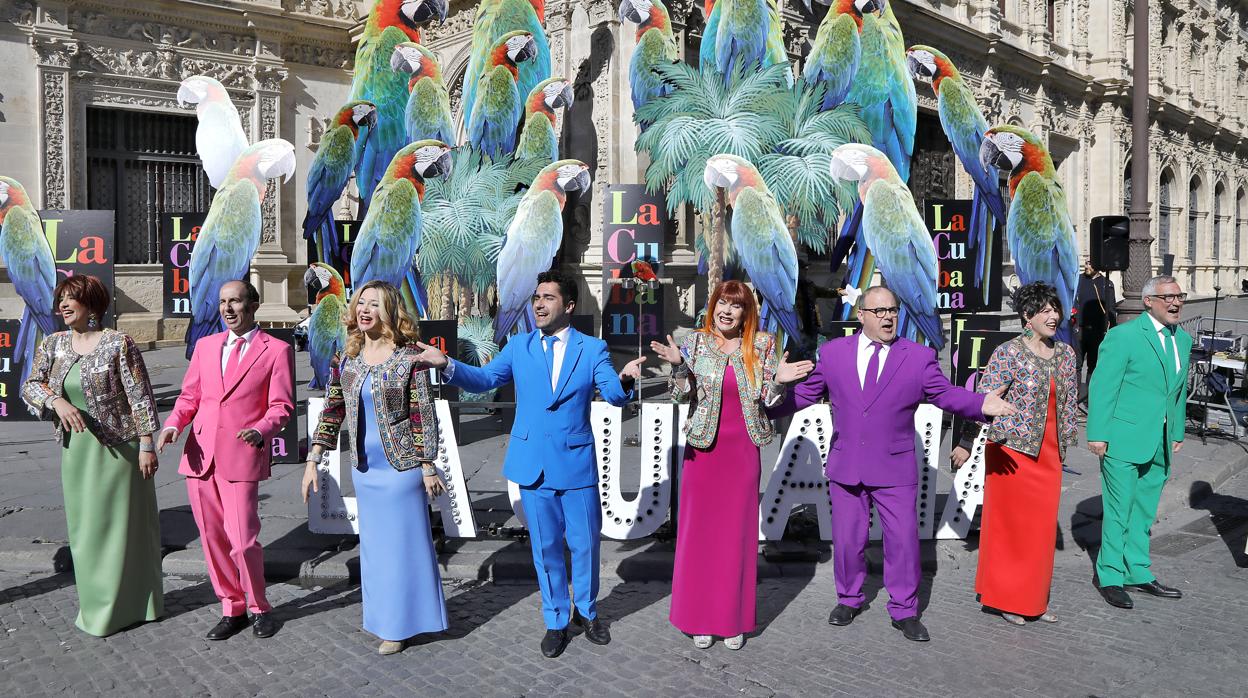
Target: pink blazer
(259,398)
(874,439)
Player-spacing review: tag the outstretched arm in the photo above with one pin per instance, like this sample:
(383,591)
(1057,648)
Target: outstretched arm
(474,379)
(611,385)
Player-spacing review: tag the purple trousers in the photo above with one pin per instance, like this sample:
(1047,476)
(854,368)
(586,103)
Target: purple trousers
(851,522)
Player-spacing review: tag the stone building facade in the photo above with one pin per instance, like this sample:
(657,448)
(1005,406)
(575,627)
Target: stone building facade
(1058,67)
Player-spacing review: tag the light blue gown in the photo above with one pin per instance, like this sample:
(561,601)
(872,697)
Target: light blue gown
(402,588)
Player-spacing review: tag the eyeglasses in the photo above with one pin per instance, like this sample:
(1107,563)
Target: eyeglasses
(1172,297)
(882,312)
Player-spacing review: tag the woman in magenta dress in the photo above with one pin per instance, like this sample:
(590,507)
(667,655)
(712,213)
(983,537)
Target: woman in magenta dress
(728,371)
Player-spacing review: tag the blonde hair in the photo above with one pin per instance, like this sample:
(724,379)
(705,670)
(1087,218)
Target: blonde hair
(396,325)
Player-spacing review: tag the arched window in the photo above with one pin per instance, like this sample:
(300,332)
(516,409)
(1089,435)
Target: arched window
(1221,210)
(1241,213)
(1193,216)
(1164,193)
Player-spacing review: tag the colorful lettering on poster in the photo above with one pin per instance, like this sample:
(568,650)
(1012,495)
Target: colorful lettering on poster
(949,284)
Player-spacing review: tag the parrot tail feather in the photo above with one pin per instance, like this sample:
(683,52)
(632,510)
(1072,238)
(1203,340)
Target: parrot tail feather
(24,349)
(198,329)
(506,322)
(849,233)
(420,296)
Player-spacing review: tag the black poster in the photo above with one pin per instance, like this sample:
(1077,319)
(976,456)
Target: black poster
(971,352)
(82,242)
(634,229)
(960,287)
(967,321)
(347,231)
(444,336)
(179,232)
(284,447)
(11,406)
(841,328)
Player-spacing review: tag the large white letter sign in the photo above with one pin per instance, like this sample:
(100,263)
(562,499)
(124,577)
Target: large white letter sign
(798,476)
(330,512)
(927,435)
(622,519)
(967,493)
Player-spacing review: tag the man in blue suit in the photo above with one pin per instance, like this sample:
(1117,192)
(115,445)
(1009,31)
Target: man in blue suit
(551,454)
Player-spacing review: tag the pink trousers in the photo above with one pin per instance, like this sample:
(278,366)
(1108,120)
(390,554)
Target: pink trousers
(229,527)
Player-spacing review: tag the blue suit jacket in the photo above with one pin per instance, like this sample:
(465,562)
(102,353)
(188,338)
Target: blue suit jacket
(551,434)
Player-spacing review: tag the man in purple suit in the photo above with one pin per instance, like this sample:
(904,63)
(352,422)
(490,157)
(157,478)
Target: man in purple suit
(874,382)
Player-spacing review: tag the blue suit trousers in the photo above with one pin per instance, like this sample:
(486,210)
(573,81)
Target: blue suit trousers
(553,516)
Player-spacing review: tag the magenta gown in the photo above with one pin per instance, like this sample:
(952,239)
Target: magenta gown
(713,584)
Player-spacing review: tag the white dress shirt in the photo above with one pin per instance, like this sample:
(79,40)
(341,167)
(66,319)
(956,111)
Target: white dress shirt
(560,346)
(1165,337)
(247,338)
(864,358)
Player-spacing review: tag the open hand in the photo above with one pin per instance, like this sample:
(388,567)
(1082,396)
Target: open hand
(792,373)
(431,356)
(632,370)
(996,406)
(668,352)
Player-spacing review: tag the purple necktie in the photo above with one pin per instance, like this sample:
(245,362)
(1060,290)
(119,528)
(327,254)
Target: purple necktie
(873,369)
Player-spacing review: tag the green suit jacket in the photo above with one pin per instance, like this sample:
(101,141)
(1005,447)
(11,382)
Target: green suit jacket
(1135,390)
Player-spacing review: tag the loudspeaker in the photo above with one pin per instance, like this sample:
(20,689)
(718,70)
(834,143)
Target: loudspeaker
(1109,246)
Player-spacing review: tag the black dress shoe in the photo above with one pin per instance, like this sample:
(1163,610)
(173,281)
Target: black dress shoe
(263,625)
(1156,588)
(843,615)
(595,630)
(228,627)
(1116,596)
(912,628)
(555,642)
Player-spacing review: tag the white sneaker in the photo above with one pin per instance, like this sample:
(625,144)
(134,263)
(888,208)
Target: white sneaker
(734,643)
(703,641)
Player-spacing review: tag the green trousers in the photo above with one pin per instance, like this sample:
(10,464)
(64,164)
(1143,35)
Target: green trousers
(1129,496)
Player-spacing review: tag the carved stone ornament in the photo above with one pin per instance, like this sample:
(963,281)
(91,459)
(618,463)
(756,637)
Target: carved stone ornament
(160,33)
(54,51)
(332,9)
(269,78)
(19,12)
(322,56)
(54,86)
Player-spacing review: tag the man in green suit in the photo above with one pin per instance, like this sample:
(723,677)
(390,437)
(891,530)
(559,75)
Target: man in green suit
(1136,412)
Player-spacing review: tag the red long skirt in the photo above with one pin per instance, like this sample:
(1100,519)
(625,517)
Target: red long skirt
(1018,530)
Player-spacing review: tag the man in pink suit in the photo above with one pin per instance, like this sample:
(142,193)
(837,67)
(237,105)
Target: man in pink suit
(237,396)
(874,382)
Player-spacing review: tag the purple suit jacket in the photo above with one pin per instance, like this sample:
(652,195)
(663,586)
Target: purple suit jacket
(874,440)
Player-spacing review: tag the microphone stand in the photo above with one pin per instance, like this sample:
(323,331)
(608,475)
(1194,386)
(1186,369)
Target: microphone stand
(1208,378)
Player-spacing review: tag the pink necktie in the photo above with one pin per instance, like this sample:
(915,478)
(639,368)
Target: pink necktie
(873,369)
(236,358)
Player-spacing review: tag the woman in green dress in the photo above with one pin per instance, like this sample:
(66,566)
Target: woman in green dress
(93,384)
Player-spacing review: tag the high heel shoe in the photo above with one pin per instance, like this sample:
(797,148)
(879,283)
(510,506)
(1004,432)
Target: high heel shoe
(1048,617)
(1013,619)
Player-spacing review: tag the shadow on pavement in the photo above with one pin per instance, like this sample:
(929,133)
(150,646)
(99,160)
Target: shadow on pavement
(1229,516)
(36,587)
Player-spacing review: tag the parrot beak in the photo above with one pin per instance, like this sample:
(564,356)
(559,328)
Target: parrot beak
(577,182)
(188,94)
(400,63)
(370,119)
(715,176)
(849,165)
(311,280)
(991,156)
(865,7)
(419,12)
(527,51)
(562,98)
(4,196)
(441,166)
(920,68)
(278,161)
(630,13)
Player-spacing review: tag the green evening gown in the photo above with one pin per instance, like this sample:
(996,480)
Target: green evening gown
(114,533)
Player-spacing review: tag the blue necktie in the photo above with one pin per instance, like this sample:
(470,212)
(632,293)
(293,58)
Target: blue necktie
(873,369)
(549,341)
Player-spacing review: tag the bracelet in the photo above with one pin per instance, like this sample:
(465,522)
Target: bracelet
(680,370)
(428,470)
(147,448)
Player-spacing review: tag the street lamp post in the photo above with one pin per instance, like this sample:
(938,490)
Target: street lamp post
(1140,264)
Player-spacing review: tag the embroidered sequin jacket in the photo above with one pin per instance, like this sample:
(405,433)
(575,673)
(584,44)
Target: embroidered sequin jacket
(120,404)
(404,409)
(704,390)
(1027,379)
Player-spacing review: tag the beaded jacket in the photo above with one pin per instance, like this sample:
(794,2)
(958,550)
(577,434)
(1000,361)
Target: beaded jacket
(704,391)
(1026,377)
(401,400)
(120,404)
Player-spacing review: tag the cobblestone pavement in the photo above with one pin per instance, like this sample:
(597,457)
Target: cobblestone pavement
(1195,646)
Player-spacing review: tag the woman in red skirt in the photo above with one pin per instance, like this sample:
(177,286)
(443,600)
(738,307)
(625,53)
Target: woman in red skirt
(1023,477)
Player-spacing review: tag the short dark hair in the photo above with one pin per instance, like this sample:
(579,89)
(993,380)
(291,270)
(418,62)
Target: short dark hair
(567,284)
(1031,299)
(249,290)
(87,290)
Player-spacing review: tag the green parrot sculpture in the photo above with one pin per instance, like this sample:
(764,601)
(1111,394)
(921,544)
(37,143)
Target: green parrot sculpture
(428,114)
(538,139)
(327,335)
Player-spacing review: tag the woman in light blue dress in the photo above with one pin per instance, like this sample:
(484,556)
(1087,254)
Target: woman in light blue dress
(382,393)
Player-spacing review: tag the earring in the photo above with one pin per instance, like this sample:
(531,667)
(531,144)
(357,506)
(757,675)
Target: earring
(1027,332)
(92,323)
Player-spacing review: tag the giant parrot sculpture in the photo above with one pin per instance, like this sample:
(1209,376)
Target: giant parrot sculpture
(327,335)
(532,240)
(656,45)
(385,250)
(219,137)
(895,236)
(428,113)
(761,239)
(32,269)
(965,126)
(335,159)
(747,33)
(390,23)
(496,114)
(538,139)
(503,18)
(836,51)
(1038,229)
(884,92)
(230,234)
